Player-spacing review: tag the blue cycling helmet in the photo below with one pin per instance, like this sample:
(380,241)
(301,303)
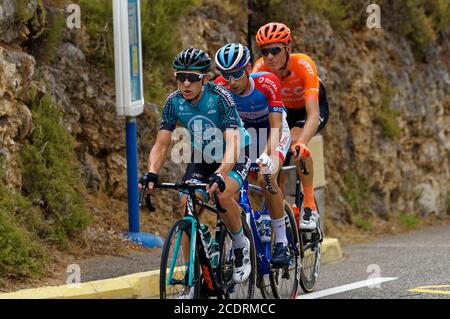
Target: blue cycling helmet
(192,59)
(232,56)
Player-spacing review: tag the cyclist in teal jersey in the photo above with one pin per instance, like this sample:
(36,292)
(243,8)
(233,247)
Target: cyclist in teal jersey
(219,141)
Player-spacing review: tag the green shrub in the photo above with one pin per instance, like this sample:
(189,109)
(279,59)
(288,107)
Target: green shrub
(387,119)
(51,174)
(97,21)
(386,116)
(20,256)
(357,195)
(439,13)
(21,10)
(51,38)
(363,223)
(408,220)
(357,192)
(335,11)
(159,38)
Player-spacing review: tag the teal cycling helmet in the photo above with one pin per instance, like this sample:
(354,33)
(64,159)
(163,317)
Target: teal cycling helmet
(192,59)
(232,56)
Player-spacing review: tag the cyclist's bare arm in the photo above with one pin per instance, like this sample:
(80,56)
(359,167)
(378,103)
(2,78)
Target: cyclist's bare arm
(232,140)
(158,153)
(275,120)
(312,121)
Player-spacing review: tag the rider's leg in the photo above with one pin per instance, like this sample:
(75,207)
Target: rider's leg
(232,218)
(307,180)
(283,177)
(274,204)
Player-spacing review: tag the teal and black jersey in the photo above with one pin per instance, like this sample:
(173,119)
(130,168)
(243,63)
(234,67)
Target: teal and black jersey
(207,119)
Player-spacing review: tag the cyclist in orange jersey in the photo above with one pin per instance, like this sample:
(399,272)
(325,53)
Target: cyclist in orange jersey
(304,97)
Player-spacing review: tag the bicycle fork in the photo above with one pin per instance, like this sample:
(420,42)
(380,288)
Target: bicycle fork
(192,244)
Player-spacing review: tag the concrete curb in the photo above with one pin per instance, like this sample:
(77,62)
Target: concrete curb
(139,285)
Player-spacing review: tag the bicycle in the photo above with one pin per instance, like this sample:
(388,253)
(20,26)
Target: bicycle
(196,271)
(283,282)
(310,240)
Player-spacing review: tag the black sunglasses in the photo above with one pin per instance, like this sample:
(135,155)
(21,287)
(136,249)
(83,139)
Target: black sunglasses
(274,51)
(191,77)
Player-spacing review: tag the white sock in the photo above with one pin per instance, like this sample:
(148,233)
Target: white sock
(238,239)
(279,227)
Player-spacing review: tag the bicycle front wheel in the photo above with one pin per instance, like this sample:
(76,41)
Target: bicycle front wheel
(174,274)
(231,289)
(311,246)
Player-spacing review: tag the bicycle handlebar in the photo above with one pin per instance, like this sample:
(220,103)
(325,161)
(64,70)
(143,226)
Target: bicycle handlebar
(178,186)
(302,161)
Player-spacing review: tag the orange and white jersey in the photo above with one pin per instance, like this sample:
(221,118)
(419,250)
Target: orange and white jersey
(300,84)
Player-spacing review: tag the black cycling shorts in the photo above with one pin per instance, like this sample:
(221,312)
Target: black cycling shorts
(200,172)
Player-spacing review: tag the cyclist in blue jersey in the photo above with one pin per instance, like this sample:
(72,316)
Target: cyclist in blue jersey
(209,113)
(259,103)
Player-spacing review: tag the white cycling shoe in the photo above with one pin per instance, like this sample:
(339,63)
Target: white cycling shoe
(186,293)
(241,263)
(309,221)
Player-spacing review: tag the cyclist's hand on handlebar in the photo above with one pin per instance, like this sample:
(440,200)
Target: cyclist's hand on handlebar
(265,164)
(300,150)
(216,182)
(148,181)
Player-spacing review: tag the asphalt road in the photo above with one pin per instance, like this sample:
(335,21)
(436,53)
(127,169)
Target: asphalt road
(405,261)
(408,261)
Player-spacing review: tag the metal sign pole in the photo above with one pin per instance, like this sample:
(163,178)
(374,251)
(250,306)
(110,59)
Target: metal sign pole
(249,28)
(130,102)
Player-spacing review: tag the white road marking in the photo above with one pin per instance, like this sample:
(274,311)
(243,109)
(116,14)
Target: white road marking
(356,285)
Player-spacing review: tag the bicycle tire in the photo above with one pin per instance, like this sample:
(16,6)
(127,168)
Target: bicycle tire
(184,226)
(310,269)
(284,281)
(233,290)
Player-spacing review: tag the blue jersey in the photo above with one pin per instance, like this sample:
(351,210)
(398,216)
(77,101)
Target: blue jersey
(263,98)
(207,119)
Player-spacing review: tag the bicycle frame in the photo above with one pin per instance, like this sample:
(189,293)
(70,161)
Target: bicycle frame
(263,250)
(203,254)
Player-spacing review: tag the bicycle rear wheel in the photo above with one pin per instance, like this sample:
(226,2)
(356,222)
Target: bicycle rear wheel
(172,253)
(284,281)
(234,290)
(311,257)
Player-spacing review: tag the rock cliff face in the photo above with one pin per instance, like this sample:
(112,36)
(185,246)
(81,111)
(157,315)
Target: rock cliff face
(372,81)
(372,78)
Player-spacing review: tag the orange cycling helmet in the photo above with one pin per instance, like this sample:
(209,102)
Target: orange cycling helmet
(273,32)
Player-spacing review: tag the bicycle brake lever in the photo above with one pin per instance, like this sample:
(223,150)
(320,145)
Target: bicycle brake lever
(148,201)
(141,196)
(148,204)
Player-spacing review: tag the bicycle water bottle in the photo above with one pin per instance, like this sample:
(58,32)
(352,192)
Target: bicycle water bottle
(211,245)
(265,226)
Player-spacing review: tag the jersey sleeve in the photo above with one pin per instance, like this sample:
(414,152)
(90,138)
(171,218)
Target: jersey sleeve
(270,86)
(168,118)
(307,68)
